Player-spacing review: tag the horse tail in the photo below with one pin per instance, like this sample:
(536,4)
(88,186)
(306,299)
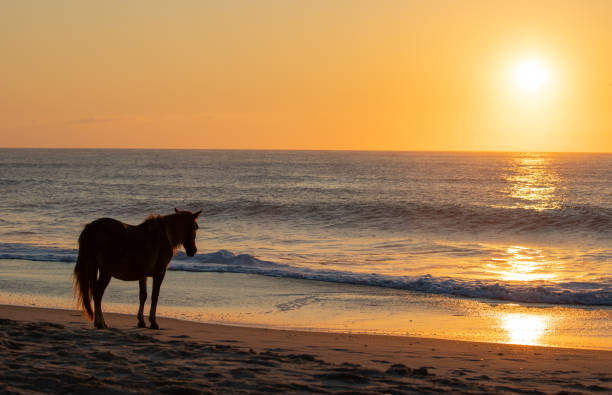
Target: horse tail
(85,271)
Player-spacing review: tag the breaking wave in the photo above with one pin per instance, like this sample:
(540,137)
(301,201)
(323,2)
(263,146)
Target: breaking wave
(581,293)
(570,293)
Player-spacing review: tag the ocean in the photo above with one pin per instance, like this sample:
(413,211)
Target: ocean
(493,228)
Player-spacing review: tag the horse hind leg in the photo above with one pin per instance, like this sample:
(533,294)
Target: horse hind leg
(143,298)
(157,281)
(99,287)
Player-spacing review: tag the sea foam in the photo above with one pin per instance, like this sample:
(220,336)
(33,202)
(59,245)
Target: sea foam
(567,293)
(581,293)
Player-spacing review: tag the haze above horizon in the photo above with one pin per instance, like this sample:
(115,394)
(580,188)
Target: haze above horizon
(342,75)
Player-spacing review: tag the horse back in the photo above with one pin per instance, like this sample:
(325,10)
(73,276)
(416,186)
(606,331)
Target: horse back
(128,252)
(105,233)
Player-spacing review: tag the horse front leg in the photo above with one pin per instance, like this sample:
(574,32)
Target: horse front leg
(157,281)
(143,298)
(99,287)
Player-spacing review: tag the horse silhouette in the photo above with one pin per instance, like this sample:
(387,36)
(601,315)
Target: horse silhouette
(110,248)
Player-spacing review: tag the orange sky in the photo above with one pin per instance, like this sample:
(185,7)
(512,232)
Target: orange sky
(375,75)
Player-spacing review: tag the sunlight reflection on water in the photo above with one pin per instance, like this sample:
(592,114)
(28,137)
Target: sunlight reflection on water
(534,186)
(524,328)
(533,183)
(524,264)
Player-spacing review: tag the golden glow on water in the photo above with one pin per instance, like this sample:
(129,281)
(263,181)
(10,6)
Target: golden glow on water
(533,184)
(524,328)
(525,264)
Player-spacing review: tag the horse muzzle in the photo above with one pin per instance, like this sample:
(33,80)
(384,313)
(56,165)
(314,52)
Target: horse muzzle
(191,251)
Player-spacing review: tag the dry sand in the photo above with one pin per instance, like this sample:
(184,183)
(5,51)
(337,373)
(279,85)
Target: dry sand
(51,351)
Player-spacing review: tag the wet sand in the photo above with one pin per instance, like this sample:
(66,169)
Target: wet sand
(50,351)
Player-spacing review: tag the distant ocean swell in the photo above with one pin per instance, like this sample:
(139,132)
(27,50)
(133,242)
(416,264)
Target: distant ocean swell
(571,293)
(422,216)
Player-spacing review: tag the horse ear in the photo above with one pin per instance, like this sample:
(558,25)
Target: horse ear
(196,215)
(176,210)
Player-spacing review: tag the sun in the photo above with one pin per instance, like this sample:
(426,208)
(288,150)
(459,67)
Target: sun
(531,75)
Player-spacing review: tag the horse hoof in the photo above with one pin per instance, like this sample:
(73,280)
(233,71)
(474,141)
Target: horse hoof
(101,326)
(154,325)
(141,324)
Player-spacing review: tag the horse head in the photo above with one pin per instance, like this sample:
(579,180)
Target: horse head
(187,227)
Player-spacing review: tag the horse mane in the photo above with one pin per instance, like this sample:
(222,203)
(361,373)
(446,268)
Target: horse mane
(149,223)
(151,217)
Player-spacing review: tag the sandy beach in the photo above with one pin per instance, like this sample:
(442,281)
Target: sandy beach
(51,351)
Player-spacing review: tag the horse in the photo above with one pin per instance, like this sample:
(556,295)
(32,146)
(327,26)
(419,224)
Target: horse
(110,248)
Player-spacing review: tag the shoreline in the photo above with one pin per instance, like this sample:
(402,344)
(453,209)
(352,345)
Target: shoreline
(124,320)
(313,361)
(281,303)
